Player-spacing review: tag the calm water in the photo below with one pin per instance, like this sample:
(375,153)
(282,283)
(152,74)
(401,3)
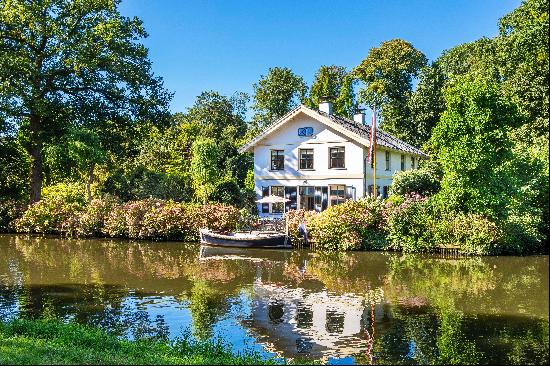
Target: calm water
(364,307)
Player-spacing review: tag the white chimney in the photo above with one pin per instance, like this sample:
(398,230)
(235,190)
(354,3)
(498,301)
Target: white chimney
(325,105)
(359,116)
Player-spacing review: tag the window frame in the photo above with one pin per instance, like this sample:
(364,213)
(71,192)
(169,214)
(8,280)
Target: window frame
(388,161)
(280,154)
(339,199)
(413,161)
(402,162)
(300,158)
(281,189)
(343,158)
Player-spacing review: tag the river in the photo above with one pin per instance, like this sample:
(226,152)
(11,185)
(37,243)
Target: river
(356,307)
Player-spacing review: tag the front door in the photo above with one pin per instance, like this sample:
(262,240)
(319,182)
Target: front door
(307,198)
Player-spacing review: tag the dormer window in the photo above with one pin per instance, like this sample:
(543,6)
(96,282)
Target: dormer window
(277,159)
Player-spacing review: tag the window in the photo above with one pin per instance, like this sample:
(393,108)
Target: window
(337,157)
(337,194)
(388,160)
(402,162)
(277,159)
(265,206)
(385,191)
(306,158)
(277,191)
(412,162)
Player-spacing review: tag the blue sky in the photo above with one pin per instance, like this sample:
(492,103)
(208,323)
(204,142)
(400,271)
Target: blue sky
(227,45)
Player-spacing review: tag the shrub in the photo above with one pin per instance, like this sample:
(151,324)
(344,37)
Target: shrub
(408,225)
(128,220)
(422,181)
(49,215)
(173,220)
(294,218)
(92,220)
(10,211)
(219,217)
(348,226)
(66,192)
(418,224)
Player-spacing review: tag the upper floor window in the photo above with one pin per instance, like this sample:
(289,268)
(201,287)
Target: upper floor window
(337,157)
(402,161)
(277,159)
(388,160)
(412,162)
(306,158)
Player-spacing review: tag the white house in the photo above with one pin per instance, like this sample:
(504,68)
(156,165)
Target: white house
(317,159)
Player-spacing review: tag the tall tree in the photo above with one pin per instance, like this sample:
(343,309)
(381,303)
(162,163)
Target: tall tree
(426,103)
(67,63)
(524,65)
(334,82)
(276,94)
(387,73)
(205,171)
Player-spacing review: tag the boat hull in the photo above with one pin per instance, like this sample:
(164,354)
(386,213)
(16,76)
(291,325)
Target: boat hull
(272,241)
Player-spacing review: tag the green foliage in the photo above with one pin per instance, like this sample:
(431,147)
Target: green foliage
(472,145)
(426,103)
(227,192)
(204,167)
(54,342)
(14,169)
(92,220)
(417,224)
(387,73)
(10,211)
(424,181)
(67,192)
(83,66)
(50,216)
(106,216)
(276,94)
(351,225)
(336,83)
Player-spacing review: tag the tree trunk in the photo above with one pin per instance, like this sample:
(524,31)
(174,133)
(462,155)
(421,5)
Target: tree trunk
(36,145)
(90,181)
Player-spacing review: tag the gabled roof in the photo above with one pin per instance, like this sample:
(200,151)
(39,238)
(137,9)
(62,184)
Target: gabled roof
(357,131)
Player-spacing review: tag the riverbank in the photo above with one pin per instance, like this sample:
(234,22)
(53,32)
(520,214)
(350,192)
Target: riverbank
(410,223)
(52,342)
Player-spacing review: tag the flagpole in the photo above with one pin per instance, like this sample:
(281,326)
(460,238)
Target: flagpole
(373,131)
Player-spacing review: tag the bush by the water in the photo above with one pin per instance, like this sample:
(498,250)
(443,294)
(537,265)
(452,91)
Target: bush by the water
(348,226)
(144,219)
(419,224)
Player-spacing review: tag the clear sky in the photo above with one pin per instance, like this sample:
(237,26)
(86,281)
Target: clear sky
(227,45)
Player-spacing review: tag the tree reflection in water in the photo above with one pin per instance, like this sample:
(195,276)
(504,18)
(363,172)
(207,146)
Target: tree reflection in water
(376,307)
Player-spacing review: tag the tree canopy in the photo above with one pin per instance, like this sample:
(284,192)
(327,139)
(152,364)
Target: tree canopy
(72,63)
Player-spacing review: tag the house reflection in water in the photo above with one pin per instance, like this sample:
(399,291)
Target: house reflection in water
(312,323)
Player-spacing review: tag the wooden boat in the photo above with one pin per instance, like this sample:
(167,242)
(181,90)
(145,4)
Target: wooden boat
(256,239)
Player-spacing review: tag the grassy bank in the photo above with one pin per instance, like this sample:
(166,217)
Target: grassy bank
(53,342)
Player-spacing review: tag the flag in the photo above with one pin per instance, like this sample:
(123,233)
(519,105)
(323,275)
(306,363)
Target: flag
(372,149)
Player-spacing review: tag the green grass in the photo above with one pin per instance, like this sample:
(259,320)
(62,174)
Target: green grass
(53,342)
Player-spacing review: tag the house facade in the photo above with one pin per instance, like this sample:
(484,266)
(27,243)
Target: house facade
(316,160)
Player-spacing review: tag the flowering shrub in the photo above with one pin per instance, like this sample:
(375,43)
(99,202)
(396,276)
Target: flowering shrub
(348,226)
(423,181)
(53,216)
(145,219)
(92,220)
(294,218)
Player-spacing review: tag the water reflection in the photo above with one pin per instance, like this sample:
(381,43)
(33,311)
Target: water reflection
(362,307)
